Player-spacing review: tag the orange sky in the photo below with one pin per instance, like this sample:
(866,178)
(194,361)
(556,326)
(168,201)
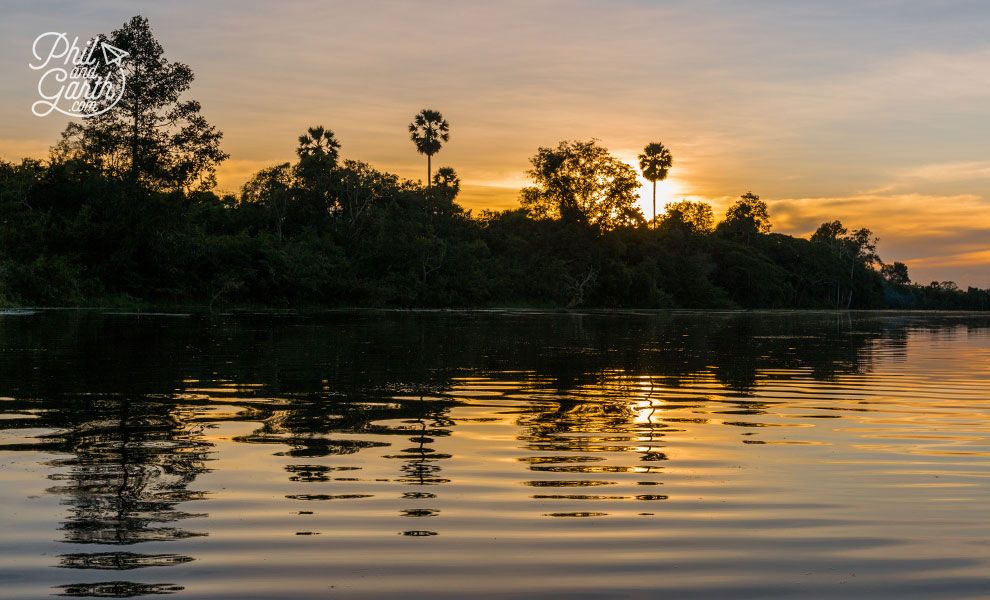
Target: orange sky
(876,114)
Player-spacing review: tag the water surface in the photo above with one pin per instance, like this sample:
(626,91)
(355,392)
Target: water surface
(495,454)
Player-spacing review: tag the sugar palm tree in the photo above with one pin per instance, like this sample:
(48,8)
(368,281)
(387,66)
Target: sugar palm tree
(429,130)
(318,141)
(655,162)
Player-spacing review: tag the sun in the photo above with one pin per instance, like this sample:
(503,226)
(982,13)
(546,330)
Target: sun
(668,191)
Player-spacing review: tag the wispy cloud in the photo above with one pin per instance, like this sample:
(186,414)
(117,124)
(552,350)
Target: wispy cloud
(949,172)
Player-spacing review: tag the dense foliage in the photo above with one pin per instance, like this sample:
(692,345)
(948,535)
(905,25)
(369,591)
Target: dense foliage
(324,232)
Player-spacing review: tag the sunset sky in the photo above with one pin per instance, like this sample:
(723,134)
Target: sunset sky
(874,113)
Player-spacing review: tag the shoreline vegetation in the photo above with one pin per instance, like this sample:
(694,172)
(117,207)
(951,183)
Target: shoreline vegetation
(124,214)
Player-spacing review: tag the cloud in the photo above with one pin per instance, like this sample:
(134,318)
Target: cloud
(962,259)
(930,214)
(949,172)
(938,237)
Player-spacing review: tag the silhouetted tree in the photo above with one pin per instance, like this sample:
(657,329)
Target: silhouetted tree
(429,130)
(318,151)
(149,136)
(833,235)
(746,218)
(271,188)
(861,251)
(318,142)
(857,248)
(447,182)
(830,233)
(581,181)
(696,216)
(896,273)
(358,188)
(655,163)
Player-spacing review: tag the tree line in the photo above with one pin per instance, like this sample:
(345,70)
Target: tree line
(125,211)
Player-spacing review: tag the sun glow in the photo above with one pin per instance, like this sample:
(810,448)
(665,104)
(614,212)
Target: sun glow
(668,191)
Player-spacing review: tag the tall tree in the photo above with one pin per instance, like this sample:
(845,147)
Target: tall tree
(833,234)
(655,163)
(861,250)
(429,130)
(581,181)
(150,136)
(858,247)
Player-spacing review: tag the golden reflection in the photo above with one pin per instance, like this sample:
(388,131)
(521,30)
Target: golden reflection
(617,418)
(720,444)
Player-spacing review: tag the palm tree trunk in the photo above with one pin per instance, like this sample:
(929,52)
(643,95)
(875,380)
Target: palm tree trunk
(428,182)
(654,203)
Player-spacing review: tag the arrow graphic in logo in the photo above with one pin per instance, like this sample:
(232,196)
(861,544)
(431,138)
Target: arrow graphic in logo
(113,51)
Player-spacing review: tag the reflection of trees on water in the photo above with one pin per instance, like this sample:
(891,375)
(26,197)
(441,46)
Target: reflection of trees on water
(422,466)
(421,462)
(347,382)
(116,589)
(119,561)
(386,353)
(574,434)
(125,469)
(597,396)
(596,421)
(320,426)
(316,426)
(132,465)
(651,455)
(572,438)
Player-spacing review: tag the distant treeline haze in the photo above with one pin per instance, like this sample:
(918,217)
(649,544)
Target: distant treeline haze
(124,211)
